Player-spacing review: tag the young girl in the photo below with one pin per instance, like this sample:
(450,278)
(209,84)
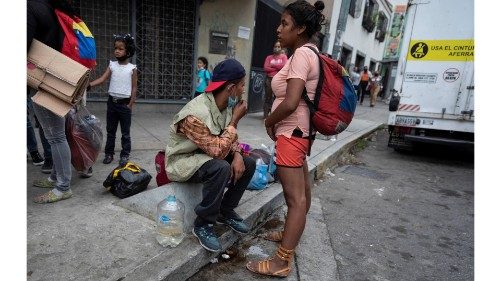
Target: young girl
(288,126)
(122,92)
(204,76)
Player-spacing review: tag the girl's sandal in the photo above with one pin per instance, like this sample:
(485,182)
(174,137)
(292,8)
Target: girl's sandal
(263,267)
(275,236)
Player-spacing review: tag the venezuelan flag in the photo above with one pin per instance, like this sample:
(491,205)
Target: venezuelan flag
(78,43)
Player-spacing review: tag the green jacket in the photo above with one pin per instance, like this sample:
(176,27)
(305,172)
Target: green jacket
(184,157)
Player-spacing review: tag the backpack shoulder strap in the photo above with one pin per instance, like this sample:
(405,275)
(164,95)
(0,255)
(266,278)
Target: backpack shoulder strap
(313,105)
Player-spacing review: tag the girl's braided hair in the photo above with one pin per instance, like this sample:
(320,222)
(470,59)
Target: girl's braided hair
(129,43)
(305,14)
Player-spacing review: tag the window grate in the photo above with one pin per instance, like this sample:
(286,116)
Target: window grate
(165,36)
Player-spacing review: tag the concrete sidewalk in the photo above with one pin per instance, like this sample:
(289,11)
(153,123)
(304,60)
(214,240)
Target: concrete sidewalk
(96,236)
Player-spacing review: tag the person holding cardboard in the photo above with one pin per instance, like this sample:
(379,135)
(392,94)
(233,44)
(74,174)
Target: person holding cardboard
(122,92)
(203,147)
(42,25)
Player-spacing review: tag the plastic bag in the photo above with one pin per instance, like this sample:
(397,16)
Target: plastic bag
(84,135)
(260,179)
(267,155)
(265,170)
(127,180)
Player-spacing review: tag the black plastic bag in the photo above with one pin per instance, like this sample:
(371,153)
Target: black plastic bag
(126,180)
(394,102)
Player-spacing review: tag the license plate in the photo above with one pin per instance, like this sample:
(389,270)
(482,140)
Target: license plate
(406,120)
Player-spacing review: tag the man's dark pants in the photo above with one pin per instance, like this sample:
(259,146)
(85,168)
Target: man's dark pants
(215,175)
(118,112)
(362,87)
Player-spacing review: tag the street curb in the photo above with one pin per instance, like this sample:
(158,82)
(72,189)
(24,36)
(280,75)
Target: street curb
(314,254)
(187,258)
(331,155)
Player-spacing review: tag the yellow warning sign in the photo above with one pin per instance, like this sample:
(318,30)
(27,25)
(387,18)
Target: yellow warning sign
(441,50)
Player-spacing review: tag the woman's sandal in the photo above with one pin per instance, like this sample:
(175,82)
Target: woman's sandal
(263,267)
(275,236)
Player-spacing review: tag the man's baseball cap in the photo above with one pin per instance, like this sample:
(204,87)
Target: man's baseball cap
(226,70)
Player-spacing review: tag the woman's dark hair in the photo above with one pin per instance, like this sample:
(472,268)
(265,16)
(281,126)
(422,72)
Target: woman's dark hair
(128,40)
(223,86)
(204,60)
(305,14)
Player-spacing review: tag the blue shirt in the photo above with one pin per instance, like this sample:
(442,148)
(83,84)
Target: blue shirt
(203,77)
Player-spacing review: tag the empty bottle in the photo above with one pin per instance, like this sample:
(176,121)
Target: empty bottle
(170,222)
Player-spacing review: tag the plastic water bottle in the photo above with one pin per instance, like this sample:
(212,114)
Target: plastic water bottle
(170,222)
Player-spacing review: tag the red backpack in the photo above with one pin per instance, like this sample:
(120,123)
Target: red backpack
(161,176)
(78,43)
(335,99)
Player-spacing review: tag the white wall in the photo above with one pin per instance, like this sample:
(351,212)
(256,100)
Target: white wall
(356,37)
(333,24)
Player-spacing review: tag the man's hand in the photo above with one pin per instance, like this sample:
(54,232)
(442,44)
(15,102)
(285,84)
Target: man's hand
(237,167)
(239,111)
(130,105)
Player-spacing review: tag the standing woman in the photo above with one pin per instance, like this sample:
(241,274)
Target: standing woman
(288,126)
(375,86)
(272,65)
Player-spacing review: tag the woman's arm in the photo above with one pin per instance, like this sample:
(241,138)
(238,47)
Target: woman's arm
(267,65)
(294,89)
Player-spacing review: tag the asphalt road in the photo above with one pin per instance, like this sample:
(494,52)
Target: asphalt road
(394,216)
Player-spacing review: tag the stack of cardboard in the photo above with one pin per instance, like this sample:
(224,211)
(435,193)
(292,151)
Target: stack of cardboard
(60,81)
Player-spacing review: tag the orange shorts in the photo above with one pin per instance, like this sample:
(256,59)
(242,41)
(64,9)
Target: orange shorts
(291,152)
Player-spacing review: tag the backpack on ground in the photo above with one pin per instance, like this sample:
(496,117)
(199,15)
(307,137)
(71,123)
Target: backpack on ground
(335,99)
(127,179)
(78,43)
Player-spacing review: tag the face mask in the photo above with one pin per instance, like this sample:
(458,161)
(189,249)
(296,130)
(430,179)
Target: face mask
(232,102)
(277,50)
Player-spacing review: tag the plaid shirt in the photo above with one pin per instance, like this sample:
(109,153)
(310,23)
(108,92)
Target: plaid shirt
(214,146)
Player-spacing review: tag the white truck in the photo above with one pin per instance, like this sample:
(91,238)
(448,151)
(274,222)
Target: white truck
(433,96)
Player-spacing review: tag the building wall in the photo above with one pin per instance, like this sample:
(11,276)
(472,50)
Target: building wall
(360,40)
(335,14)
(226,16)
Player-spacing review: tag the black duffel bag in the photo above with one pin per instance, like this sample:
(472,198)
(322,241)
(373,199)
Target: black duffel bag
(126,180)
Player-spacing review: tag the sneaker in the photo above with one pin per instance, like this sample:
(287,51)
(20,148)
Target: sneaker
(50,197)
(107,159)
(123,159)
(207,238)
(87,174)
(44,183)
(47,166)
(37,158)
(235,224)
